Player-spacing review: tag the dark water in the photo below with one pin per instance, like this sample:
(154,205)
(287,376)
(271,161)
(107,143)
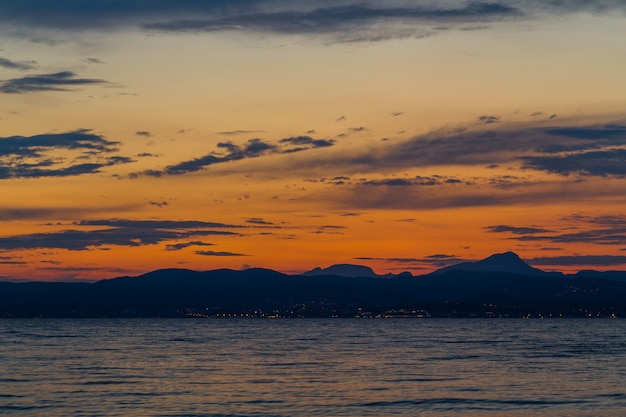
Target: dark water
(262,368)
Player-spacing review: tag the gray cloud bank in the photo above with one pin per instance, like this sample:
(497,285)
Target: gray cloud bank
(598,150)
(346,20)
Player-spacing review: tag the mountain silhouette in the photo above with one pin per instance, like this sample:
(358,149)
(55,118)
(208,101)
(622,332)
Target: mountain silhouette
(508,262)
(502,285)
(342,270)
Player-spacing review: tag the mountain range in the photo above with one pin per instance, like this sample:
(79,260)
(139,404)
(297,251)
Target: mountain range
(502,285)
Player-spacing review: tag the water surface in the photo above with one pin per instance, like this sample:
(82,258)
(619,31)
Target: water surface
(313,367)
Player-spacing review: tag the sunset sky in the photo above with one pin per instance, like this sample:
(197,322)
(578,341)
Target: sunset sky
(402,135)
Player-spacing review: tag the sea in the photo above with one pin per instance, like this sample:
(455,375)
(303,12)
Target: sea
(313,367)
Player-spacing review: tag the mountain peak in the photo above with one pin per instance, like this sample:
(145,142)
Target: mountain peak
(508,262)
(342,270)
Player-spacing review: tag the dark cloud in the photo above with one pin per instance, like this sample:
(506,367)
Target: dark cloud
(341,21)
(31,156)
(144,133)
(213,253)
(105,14)
(578,260)
(516,230)
(590,150)
(609,236)
(259,221)
(346,23)
(159,204)
(578,228)
(230,151)
(180,246)
(21,66)
(239,132)
(59,81)
(81,139)
(416,181)
(58,212)
(157,224)
(306,142)
(132,233)
(252,149)
(489,119)
(606,163)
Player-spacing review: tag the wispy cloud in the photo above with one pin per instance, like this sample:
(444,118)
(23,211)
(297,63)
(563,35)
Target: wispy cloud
(180,246)
(58,81)
(116,232)
(31,156)
(578,260)
(21,66)
(516,230)
(599,230)
(214,253)
(229,151)
(586,150)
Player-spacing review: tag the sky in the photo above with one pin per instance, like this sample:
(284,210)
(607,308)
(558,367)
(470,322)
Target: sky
(402,135)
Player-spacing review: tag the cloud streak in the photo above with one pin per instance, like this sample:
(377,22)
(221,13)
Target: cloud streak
(58,81)
(229,151)
(118,232)
(21,66)
(599,230)
(342,21)
(31,156)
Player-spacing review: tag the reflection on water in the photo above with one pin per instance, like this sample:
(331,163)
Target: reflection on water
(335,367)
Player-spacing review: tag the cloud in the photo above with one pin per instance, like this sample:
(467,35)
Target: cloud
(180,246)
(259,221)
(338,21)
(116,232)
(159,204)
(599,230)
(59,81)
(31,156)
(489,119)
(590,150)
(213,253)
(577,260)
(144,133)
(516,230)
(239,132)
(22,66)
(606,163)
(303,143)
(230,151)
(416,181)
(352,22)
(157,224)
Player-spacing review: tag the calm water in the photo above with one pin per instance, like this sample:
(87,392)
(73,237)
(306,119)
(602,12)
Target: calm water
(262,368)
